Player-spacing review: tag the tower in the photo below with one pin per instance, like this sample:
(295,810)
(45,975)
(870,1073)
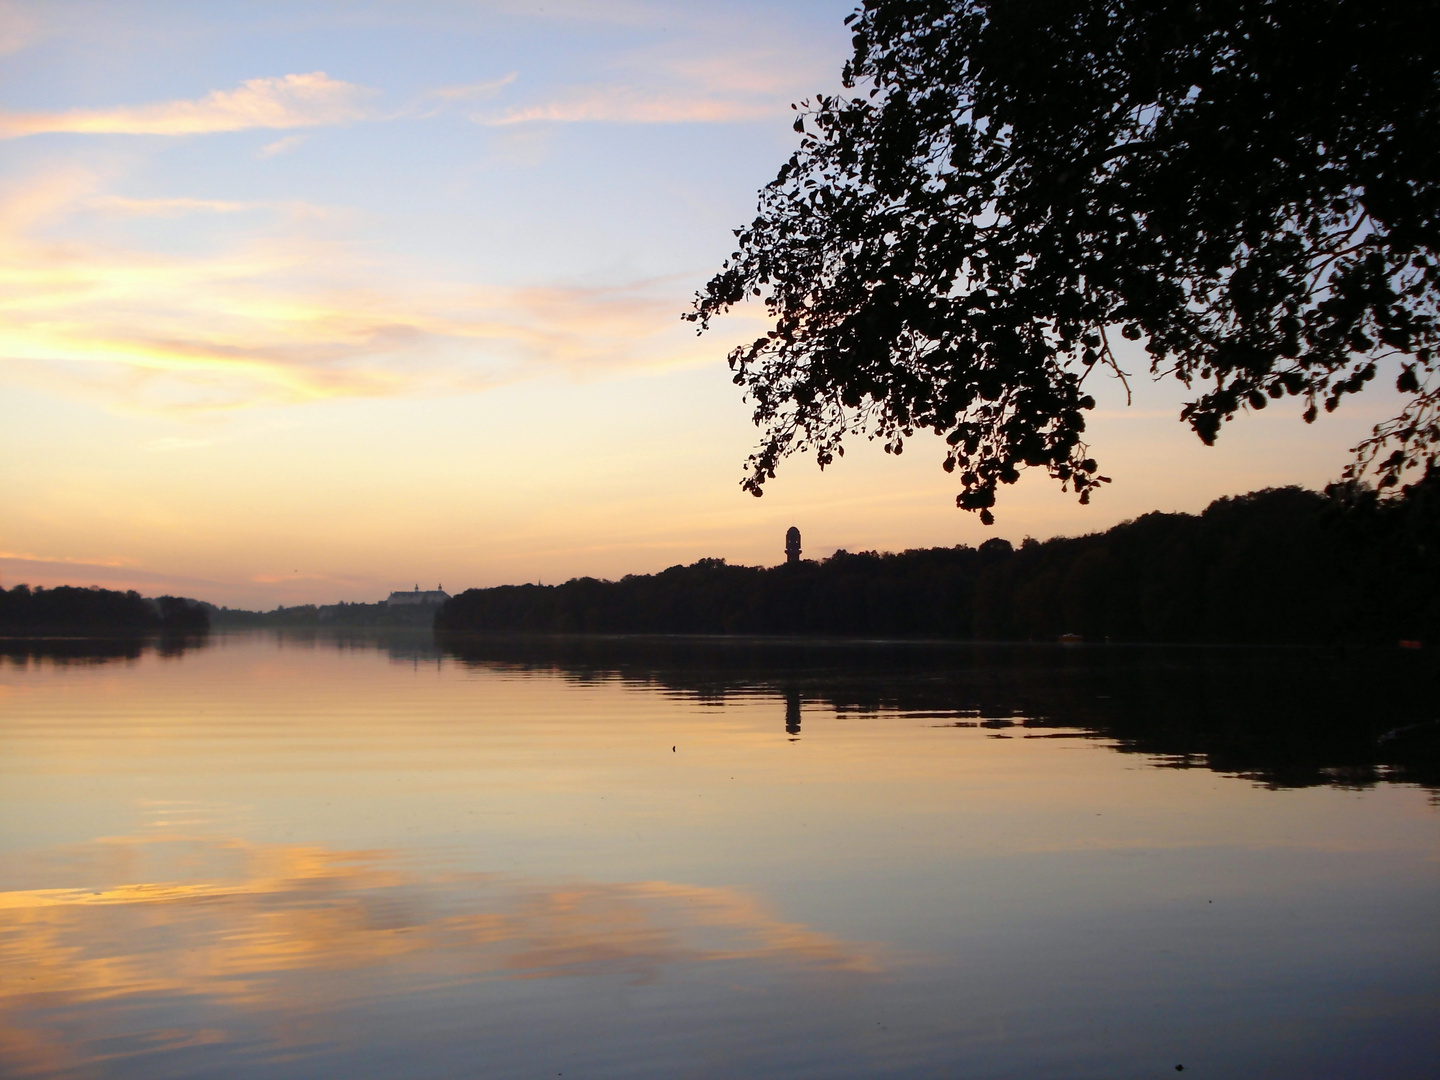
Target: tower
(792,546)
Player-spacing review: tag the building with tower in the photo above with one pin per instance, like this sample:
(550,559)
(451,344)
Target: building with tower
(417,598)
(792,546)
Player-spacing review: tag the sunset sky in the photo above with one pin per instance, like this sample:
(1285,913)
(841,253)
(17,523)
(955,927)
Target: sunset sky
(305,302)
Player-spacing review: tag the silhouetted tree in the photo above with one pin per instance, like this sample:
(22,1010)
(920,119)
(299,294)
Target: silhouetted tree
(1249,187)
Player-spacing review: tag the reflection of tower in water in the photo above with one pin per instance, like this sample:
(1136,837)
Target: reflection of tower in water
(792,713)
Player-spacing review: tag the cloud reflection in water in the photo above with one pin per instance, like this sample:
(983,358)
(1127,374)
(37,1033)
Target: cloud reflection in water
(239,929)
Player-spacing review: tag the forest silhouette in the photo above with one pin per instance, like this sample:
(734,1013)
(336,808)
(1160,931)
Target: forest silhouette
(67,609)
(1282,565)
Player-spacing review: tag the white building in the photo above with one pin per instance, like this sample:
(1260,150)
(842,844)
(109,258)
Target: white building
(416,598)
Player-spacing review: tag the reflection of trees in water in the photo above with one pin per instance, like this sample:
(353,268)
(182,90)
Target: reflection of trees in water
(21,652)
(405,645)
(1284,717)
(400,645)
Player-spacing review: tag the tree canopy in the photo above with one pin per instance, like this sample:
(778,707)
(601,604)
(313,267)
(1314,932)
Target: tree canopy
(1248,188)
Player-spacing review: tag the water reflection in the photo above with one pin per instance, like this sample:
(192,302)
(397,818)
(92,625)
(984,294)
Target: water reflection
(1286,718)
(23,651)
(369,856)
(792,712)
(401,645)
(121,922)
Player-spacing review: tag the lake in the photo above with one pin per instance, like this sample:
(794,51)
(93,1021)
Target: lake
(331,856)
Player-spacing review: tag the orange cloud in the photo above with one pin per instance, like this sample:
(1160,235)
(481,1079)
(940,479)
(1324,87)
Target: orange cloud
(288,102)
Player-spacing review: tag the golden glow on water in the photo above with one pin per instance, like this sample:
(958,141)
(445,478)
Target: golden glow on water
(262,854)
(292,908)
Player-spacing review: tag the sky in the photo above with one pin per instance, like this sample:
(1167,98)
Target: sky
(304,302)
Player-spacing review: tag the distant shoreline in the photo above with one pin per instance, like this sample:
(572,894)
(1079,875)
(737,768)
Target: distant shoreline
(1281,567)
(71,611)
(1278,567)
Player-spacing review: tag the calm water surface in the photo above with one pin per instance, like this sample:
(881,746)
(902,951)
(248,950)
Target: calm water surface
(290,857)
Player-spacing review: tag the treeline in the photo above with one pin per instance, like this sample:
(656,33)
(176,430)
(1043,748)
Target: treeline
(342,616)
(68,610)
(1279,566)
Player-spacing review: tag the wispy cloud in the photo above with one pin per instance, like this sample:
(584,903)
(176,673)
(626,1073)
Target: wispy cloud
(289,102)
(614,12)
(720,78)
(288,313)
(281,146)
(447,98)
(65,560)
(112,572)
(19,28)
(474,91)
(166,207)
(626,105)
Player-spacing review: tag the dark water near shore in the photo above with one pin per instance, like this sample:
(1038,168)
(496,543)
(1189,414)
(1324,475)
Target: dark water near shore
(369,857)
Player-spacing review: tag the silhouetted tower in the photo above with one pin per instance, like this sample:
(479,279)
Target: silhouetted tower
(792,545)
